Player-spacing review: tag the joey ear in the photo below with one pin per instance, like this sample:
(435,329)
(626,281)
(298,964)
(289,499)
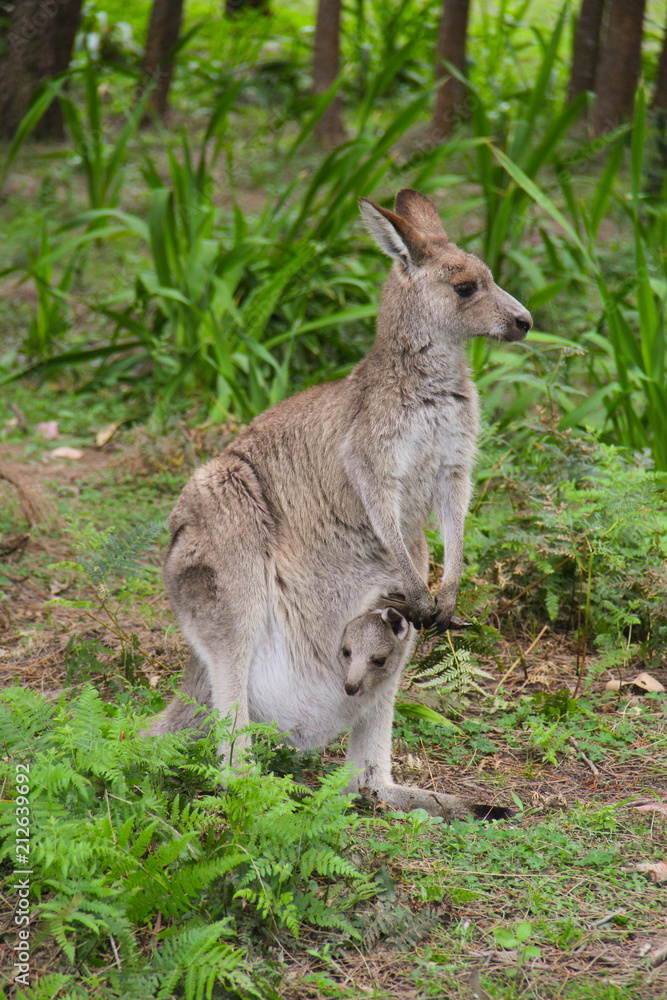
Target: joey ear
(420,212)
(396,621)
(395,236)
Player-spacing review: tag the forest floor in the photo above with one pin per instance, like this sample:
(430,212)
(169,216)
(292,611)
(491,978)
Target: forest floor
(599,920)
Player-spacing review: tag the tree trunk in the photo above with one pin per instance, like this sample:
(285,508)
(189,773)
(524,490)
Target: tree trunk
(660,94)
(164,28)
(326,67)
(585,48)
(619,64)
(233,6)
(38,44)
(451,103)
(655,175)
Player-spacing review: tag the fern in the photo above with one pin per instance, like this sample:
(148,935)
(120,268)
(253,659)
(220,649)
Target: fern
(573,506)
(116,553)
(125,828)
(197,956)
(549,739)
(449,669)
(398,926)
(50,986)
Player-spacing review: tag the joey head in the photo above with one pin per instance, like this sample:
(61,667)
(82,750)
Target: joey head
(373,649)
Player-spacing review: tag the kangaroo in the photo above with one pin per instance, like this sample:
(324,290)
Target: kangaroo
(319,507)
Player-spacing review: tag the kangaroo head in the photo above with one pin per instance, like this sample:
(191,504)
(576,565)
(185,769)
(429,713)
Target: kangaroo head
(434,286)
(372,648)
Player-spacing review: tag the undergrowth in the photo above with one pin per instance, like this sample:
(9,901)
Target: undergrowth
(133,840)
(568,529)
(150,880)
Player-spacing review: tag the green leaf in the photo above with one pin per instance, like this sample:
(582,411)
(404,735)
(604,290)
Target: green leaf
(414,710)
(538,196)
(523,931)
(504,937)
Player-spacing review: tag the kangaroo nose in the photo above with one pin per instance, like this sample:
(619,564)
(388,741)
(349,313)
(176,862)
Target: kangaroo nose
(351,688)
(524,322)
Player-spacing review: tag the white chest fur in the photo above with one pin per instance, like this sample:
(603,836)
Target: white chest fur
(310,707)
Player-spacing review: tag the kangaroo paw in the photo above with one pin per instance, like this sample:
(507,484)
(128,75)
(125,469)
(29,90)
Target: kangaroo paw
(437,625)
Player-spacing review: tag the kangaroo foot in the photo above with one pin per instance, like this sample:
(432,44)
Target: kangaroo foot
(405,798)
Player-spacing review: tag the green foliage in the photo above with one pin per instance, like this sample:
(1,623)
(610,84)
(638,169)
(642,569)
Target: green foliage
(516,939)
(626,347)
(388,37)
(449,668)
(577,529)
(248,309)
(101,160)
(523,146)
(113,562)
(397,926)
(124,828)
(630,381)
(233,307)
(117,553)
(546,724)
(423,713)
(50,321)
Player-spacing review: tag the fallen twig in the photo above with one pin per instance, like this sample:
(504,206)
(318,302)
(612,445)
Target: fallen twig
(608,917)
(591,766)
(519,659)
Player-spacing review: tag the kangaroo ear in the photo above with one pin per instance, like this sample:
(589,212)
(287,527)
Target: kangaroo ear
(395,236)
(396,622)
(421,212)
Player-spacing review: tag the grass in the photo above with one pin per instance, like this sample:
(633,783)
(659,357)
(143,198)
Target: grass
(527,902)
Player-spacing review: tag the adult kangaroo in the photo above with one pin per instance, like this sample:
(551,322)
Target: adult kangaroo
(318,508)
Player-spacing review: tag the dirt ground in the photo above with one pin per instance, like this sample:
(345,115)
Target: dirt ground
(35,631)
(44,495)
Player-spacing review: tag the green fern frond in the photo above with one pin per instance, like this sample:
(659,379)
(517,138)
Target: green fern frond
(122,833)
(449,670)
(118,553)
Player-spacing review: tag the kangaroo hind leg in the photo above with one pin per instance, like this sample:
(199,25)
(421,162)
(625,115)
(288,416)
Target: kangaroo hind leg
(215,574)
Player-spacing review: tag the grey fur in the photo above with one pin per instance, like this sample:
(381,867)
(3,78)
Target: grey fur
(373,650)
(319,507)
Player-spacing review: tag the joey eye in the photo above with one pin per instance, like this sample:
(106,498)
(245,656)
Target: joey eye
(346,653)
(379,661)
(466,289)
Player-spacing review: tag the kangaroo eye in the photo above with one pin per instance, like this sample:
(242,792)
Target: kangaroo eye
(346,653)
(379,661)
(466,289)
